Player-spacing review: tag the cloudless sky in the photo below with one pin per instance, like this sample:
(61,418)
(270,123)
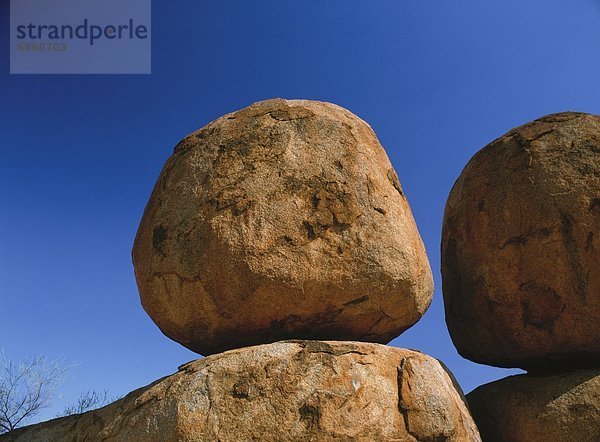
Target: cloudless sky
(79,155)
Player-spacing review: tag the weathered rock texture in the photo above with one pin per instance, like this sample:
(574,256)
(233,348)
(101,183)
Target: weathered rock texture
(521,248)
(283,220)
(288,391)
(527,408)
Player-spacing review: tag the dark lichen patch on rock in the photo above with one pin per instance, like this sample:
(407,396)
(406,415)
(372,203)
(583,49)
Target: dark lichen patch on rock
(159,234)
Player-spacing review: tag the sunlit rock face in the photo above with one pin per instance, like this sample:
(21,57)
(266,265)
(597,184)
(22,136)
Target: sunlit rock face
(287,391)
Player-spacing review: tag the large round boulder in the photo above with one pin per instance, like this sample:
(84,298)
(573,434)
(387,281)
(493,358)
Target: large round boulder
(521,248)
(283,220)
(563,407)
(287,391)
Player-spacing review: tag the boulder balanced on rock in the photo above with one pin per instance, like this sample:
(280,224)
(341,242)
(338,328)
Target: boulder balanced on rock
(282,220)
(521,248)
(288,391)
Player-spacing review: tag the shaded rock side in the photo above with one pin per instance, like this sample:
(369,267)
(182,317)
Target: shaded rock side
(521,248)
(526,408)
(287,391)
(284,220)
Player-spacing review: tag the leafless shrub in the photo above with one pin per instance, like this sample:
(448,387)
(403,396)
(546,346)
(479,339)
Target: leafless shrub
(88,400)
(27,387)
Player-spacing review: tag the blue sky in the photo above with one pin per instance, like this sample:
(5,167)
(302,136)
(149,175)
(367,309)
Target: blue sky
(437,80)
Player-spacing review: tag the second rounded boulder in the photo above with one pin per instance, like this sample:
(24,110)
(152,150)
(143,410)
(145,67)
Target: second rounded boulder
(521,248)
(282,220)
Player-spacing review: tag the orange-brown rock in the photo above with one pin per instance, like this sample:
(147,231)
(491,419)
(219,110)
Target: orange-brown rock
(526,408)
(288,391)
(521,248)
(283,220)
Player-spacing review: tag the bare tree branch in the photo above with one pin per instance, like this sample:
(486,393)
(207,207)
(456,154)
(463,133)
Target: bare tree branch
(27,388)
(87,401)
